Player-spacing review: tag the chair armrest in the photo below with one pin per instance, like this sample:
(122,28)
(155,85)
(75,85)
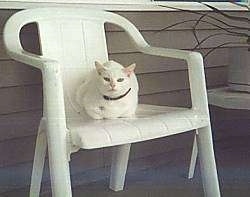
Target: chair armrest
(193,59)
(195,71)
(12,43)
(15,51)
(29,58)
(165,52)
(52,80)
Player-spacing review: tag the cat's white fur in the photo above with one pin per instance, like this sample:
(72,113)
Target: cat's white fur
(90,93)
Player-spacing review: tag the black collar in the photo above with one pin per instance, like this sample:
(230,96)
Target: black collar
(116,98)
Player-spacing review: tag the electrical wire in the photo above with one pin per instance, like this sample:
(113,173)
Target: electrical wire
(219,46)
(193,20)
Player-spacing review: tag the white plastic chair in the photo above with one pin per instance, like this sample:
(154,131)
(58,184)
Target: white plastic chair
(71,40)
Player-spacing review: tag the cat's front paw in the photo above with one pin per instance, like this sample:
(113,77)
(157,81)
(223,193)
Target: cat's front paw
(97,117)
(128,116)
(94,114)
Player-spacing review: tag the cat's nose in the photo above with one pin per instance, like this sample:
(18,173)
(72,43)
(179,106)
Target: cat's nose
(112,85)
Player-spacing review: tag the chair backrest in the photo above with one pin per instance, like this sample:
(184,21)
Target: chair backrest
(75,38)
(75,41)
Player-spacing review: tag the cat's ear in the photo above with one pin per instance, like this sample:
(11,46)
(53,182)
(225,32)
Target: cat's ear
(99,67)
(129,69)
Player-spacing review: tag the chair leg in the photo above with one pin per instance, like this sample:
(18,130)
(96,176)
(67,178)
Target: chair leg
(38,164)
(207,162)
(193,159)
(119,164)
(58,163)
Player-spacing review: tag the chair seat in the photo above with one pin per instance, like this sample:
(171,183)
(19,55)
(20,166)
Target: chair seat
(150,122)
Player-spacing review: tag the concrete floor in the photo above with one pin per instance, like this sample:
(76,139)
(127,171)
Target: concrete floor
(165,175)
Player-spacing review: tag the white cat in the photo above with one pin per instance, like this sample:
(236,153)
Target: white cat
(111,91)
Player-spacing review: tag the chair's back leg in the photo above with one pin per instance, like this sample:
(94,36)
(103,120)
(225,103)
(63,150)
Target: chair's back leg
(119,165)
(38,163)
(207,162)
(193,158)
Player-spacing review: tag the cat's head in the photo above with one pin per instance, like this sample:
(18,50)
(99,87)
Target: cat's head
(113,79)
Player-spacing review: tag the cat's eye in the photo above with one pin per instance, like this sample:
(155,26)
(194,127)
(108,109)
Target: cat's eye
(106,79)
(120,79)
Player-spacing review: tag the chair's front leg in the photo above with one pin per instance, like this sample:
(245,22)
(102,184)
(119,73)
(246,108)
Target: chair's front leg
(56,131)
(59,167)
(207,162)
(119,165)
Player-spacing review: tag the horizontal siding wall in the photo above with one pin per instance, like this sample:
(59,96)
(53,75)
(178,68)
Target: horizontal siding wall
(162,81)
